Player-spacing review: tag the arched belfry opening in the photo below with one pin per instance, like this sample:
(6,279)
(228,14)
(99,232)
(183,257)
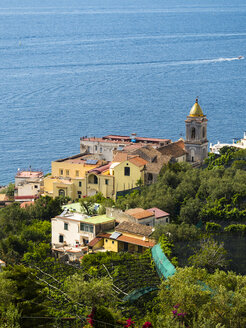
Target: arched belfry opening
(203,132)
(193,133)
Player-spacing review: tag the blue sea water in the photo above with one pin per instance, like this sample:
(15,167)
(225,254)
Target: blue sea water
(94,67)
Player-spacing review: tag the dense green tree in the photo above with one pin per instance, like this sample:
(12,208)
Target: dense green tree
(190,195)
(28,295)
(34,239)
(103,318)
(202,299)
(92,292)
(210,256)
(44,208)
(10,317)
(176,232)
(190,211)
(13,248)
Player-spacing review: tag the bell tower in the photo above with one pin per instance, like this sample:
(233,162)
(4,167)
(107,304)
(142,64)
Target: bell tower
(196,143)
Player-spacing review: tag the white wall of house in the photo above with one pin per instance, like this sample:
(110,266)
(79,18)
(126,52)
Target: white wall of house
(150,221)
(70,235)
(181,159)
(67,231)
(162,220)
(29,189)
(104,149)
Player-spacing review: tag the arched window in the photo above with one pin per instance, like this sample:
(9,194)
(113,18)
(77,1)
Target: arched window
(61,192)
(203,132)
(150,176)
(193,133)
(192,155)
(93,179)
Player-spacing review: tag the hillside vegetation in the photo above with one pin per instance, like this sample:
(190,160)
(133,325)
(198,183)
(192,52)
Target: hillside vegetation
(215,193)
(204,204)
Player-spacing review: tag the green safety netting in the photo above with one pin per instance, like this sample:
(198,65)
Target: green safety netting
(163,266)
(199,225)
(138,293)
(164,269)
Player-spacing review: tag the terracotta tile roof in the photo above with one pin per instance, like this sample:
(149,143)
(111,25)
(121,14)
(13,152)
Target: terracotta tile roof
(132,211)
(133,147)
(143,215)
(134,228)
(175,149)
(155,160)
(136,241)
(94,241)
(147,152)
(131,240)
(26,204)
(138,161)
(158,213)
(120,157)
(139,213)
(180,143)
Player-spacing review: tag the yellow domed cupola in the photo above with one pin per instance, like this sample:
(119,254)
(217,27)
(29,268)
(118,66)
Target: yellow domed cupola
(196,110)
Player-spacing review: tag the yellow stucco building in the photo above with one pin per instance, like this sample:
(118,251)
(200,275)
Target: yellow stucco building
(120,175)
(83,175)
(68,176)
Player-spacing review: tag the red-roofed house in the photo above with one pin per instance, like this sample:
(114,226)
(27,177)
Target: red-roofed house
(127,237)
(142,216)
(149,217)
(160,216)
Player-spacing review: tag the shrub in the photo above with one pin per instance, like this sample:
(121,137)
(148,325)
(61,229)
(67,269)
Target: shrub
(213,227)
(103,318)
(236,228)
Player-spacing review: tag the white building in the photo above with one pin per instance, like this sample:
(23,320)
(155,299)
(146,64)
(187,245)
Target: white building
(241,144)
(28,185)
(71,232)
(107,145)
